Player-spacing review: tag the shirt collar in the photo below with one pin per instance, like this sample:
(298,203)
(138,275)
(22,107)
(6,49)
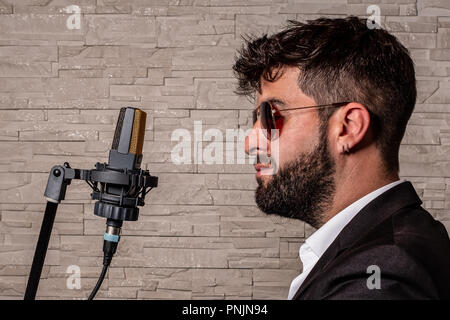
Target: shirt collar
(322,238)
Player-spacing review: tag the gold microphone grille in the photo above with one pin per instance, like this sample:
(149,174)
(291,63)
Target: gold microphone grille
(138,133)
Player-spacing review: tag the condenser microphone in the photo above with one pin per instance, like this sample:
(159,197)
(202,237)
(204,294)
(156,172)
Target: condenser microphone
(118,196)
(121,181)
(119,187)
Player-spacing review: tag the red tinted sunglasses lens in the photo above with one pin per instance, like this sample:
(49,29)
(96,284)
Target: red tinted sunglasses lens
(267,121)
(265,117)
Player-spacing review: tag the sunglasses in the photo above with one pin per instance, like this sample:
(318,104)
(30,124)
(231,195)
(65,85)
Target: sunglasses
(265,113)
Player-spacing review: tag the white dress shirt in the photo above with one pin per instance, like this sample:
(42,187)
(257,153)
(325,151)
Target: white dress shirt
(321,239)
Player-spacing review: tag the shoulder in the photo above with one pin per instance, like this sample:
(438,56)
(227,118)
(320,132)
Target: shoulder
(409,251)
(412,225)
(382,271)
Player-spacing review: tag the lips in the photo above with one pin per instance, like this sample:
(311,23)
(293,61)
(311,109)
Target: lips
(262,170)
(260,166)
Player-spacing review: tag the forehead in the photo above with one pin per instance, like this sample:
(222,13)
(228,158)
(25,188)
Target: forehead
(284,88)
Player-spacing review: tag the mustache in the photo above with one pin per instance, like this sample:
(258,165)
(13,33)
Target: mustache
(260,156)
(272,165)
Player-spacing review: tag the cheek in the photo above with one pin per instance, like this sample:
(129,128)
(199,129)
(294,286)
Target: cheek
(295,140)
(288,149)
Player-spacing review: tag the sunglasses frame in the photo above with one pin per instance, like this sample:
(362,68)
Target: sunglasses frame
(266,112)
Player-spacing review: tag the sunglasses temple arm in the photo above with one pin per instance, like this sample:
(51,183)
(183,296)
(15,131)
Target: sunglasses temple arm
(318,107)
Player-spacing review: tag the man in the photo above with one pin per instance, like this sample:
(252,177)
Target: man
(337,160)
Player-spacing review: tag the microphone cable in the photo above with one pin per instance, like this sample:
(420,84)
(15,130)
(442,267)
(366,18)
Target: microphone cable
(110,241)
(99,283)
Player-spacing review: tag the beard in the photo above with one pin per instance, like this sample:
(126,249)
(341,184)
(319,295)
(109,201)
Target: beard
(303,189)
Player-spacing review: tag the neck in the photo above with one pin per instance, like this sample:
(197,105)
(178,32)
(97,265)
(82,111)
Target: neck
(355,184)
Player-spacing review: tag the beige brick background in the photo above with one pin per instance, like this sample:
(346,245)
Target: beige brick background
(200,234)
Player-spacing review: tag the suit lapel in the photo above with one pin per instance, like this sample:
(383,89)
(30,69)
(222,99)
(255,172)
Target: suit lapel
(376,211)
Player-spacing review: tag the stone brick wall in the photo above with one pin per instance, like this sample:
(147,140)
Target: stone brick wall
(200,234)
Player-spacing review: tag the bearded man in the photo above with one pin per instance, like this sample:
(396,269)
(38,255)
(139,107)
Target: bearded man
(338,95)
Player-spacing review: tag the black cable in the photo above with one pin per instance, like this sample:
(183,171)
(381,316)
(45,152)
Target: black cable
(109,248)
(99,282)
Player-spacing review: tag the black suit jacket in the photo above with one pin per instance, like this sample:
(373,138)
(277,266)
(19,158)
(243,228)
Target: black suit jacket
(396,234)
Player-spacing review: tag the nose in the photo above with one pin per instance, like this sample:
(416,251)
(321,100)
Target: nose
(251,143)
(255,141)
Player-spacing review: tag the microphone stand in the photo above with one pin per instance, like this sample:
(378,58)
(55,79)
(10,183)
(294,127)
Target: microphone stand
(58,180)
(41,250)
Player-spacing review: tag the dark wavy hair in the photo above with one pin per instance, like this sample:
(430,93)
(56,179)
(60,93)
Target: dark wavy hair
(339,60)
